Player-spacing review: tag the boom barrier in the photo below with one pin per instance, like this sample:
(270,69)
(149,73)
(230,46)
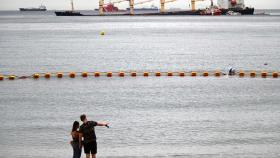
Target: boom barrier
(217,73)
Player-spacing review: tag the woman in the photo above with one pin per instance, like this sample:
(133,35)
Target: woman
(75,142)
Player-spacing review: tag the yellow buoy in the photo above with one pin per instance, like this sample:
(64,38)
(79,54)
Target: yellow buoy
(84,74)
(109,74)
(193,74)
(205,74)
(169,74)
(36,76)
(121,74)
(253,74)
(157,74)
(1,77)
(241,74)
(102,33)
(181,74)
(275,74)
(59,75)
(47,75)
(145,74)
(264,74)
(96,74)
(133,74)
(11,77)
(72,75)
(217,73)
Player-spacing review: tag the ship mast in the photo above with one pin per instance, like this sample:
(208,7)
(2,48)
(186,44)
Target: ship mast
(72,6)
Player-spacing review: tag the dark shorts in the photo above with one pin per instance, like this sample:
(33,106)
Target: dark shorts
(90,148)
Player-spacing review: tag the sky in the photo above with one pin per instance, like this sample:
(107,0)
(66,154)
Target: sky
(92,4)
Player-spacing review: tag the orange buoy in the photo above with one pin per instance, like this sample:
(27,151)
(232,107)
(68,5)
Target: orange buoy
(96,74)
(11,77)
(181,74)
(1,77)
(59,75)
(205,74)
(145,74)
(157,74)
(275,74)
(84,74)
(109,74)
(253,74)
(193,74)
(47,75)
(264,74)
(217,73)
(169,74)
(133,74)
(241,74)
(72,75)
(36,76)
(121,74)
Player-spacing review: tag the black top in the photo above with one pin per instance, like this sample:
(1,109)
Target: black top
(87,129)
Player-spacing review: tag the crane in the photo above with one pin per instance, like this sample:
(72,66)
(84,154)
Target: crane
(162,3)
(194,1)
(146,1)
(193,4)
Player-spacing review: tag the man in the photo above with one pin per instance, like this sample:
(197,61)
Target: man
(88,133)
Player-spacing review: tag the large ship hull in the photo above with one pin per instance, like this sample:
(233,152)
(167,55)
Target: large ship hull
(33,9)
(68,13)
(144,9)
(245,11)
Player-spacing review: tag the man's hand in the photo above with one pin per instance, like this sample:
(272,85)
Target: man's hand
(103,124)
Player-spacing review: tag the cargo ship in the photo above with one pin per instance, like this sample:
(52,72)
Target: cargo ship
(40,8)
(69,12)
(237,6)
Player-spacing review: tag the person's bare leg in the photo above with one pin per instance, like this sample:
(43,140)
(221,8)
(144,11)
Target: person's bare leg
(93,156)
(87,155)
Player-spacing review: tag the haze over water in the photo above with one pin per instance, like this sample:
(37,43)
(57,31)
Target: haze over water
(149,117)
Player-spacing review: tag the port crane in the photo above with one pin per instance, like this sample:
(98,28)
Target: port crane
(193,4)
(162,5)
(194,1)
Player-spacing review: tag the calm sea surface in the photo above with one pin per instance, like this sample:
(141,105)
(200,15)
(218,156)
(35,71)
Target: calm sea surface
(149,117)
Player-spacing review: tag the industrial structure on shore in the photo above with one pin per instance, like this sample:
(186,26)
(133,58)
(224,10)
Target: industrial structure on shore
(223,7)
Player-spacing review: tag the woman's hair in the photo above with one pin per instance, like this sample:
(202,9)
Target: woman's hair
(75,126)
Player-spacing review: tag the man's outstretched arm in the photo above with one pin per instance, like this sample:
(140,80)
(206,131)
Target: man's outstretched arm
(102,124)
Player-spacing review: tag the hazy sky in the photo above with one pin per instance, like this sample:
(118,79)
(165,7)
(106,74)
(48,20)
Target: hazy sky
(91,4)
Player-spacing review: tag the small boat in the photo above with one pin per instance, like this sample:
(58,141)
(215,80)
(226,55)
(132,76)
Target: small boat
(40,8)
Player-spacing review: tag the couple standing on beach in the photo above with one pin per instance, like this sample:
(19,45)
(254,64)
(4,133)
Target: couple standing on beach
(85,137)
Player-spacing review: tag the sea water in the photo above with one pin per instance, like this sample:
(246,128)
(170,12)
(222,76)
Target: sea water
(148,116)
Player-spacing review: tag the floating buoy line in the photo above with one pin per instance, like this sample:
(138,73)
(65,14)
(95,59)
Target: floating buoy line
(240,74)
